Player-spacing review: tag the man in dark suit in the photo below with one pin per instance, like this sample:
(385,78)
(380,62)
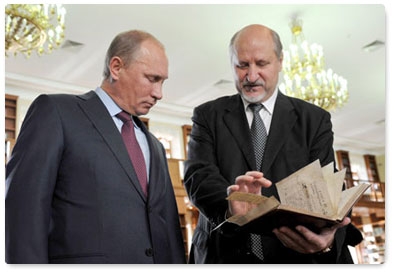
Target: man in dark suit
(72,193)
(221,160)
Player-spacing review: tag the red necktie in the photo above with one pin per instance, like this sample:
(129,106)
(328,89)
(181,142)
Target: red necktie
(134,150)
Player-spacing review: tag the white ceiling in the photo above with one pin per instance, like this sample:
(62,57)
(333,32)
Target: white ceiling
(196,38)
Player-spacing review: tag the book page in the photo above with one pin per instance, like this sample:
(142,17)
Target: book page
(335,183)
(267,205)
(327,173)
(349,197)
(306,189)
(247,197)
(327,170)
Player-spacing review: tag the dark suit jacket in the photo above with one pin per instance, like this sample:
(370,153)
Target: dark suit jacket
(73,196)
(220,149)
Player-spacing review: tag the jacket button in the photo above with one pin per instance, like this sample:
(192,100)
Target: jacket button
(149,252)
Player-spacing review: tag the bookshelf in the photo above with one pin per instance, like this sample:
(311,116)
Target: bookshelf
(186,131)
(10,124)
(371,168)
(343,160)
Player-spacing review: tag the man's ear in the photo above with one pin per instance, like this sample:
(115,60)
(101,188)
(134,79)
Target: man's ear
(116,65)
(281,61)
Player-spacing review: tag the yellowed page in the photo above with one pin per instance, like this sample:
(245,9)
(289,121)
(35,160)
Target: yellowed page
(306,189)
(349,197)
(262,208)
(335,183)
(247,197)
(327,170)
(327,173)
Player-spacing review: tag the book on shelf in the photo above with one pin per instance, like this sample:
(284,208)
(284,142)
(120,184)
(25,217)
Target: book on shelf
(312,196)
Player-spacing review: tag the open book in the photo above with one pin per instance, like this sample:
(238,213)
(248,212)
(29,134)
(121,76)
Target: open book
(312,196)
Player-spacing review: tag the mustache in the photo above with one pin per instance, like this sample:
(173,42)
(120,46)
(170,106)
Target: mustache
(247,83)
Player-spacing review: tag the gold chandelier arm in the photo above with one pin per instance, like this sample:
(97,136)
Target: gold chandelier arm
(33,27)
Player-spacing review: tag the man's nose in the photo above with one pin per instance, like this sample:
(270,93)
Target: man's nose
(252,74)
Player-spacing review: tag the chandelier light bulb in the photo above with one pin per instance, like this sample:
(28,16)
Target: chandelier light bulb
(305,76)
(33,27)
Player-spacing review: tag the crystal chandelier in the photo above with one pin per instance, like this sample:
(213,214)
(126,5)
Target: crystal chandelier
(305,76)
(33,27)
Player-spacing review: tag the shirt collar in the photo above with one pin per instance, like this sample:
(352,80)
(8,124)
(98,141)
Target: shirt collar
(268,104)
(111,106)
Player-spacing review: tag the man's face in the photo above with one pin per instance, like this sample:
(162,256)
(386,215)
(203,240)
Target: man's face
(140,84)
(256,66)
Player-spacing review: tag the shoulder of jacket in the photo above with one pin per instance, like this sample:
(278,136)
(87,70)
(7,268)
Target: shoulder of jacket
(56,97)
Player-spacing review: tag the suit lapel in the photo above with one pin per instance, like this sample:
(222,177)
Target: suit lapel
(283,120)
(95,110)
(236,121)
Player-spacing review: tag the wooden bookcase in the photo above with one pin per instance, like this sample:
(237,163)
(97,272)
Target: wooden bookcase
(145,121)
(10,116)
(371,168)
(10,124)
(180,193)
(344,162)
(371,222)
(186,131)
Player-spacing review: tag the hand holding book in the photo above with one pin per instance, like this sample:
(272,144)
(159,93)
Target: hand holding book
(312,196)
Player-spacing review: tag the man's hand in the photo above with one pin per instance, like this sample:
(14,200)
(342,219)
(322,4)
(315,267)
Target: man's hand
(305,241)
(251,182)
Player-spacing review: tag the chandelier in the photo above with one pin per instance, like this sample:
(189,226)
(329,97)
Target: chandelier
(33,27)
(305,76)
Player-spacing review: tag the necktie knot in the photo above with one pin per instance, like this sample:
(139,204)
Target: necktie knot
(125,117)
(255,107)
